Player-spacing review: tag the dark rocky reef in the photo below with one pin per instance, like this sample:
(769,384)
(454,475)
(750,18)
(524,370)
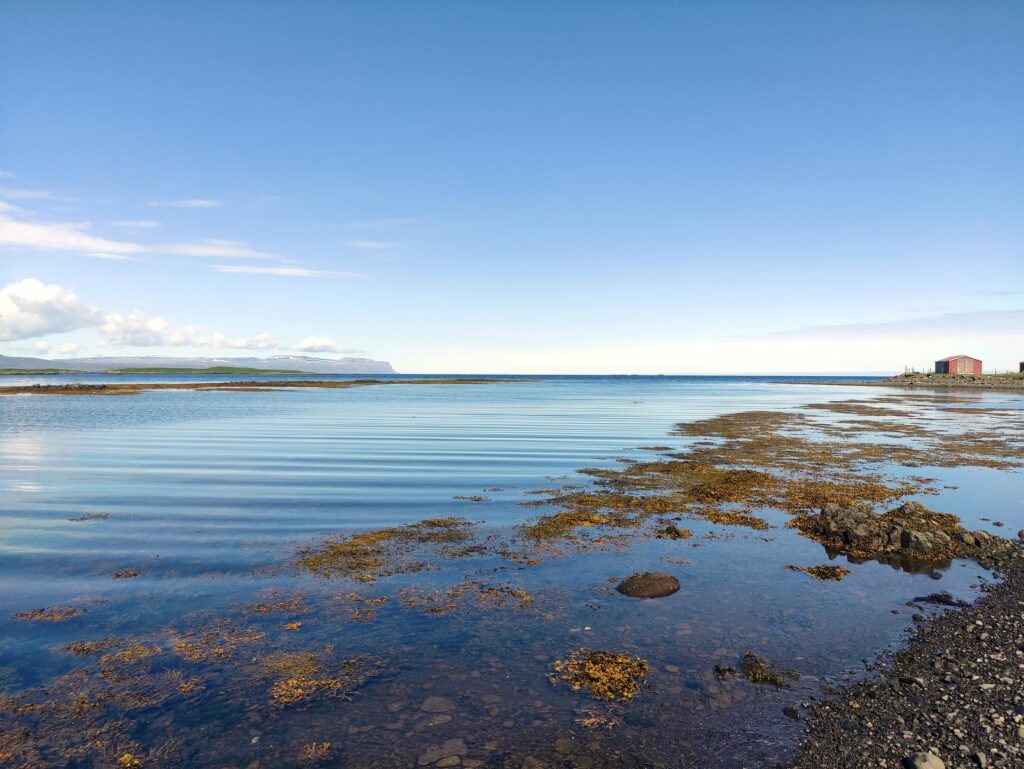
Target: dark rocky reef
(910,531)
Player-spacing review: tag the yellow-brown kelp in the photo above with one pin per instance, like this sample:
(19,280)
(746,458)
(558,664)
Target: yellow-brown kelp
(607,675)
(379,553)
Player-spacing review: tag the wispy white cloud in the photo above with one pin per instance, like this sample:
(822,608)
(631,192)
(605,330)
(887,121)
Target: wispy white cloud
(138,224)
(381,224)
(998,322)
(322,344)
(67,236)
(29,308)
(188,203)
(290,272)
(111,257)
(18,229)
(8,175)
(257,342)
(994,293)
(374,245)
(14,193)
(230,249)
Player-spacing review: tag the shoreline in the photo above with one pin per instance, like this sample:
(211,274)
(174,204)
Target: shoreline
(942,382)
(236,386)
(950,697)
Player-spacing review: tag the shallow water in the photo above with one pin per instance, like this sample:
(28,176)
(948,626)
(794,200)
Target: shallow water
(209,494)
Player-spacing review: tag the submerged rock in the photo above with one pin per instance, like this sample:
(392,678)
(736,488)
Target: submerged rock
(674,532)
(437,705)
(437,754)
(650,584)
(940,599)
(923,761)
(757,670)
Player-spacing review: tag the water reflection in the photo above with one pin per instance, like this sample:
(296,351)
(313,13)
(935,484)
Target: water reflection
(209,495)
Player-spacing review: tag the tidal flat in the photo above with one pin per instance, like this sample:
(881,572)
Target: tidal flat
(427,576)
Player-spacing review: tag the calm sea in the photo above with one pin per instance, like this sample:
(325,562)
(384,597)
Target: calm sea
(205,493)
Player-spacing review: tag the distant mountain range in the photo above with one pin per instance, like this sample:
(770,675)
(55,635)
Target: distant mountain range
(292,363)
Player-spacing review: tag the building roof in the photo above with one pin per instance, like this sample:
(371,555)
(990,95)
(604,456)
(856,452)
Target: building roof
(957,357)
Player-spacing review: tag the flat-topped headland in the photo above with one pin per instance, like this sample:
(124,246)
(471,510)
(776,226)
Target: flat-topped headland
(118,388)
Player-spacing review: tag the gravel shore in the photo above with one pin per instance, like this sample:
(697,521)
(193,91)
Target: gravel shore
(954,698)
(1014,382)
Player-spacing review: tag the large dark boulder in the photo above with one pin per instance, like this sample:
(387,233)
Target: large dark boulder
(650,584)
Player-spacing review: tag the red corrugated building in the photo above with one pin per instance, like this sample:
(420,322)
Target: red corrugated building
(958,364)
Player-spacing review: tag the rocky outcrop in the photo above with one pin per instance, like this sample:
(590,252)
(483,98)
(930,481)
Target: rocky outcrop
(757,670)
(673,532)
(910,530)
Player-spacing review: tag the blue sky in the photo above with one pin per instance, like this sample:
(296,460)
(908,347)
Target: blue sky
(644,187)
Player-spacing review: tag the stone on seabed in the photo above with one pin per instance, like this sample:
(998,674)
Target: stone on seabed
(656,584)
(923,761)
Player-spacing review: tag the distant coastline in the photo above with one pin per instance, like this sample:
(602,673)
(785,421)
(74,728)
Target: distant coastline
(155,370)
(278,364)
(78,388)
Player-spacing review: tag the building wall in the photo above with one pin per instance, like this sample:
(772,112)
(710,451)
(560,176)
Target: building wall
(960,366)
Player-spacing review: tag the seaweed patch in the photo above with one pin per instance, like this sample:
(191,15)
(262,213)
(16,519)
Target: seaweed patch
(824,573)
(606,675)
(370,555)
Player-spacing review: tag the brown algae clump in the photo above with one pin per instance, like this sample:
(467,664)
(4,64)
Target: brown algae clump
(217,644)
(292,605)
(48,614)
(794,462)
(85,648)
(304,675)
(468,595)
(823,573)
(382,552)
(314,752)
(607,675)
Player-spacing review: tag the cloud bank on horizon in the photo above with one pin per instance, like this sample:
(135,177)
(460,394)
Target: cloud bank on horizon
(32,310)
(545,188)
